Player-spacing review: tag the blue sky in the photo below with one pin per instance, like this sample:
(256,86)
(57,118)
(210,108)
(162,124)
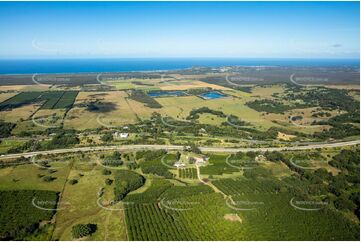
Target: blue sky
(179,29)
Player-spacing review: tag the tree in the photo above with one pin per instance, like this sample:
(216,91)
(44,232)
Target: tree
(48,178)
(178,155)
(107,137)
(132,165)
(108,181)
(106,172)
(193,148)
(73,181)
(116,155)
(191,160)
(82,230)
(343,203)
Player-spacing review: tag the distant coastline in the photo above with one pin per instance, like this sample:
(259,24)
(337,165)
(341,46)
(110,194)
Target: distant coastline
(52,66)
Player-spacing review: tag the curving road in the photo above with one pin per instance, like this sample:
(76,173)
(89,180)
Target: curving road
(178,147)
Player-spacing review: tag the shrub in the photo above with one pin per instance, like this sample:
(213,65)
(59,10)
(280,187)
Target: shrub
(73,181)
(108,181)
(106,172)
(107,137)
(125,182)
(82,230)
(48,178)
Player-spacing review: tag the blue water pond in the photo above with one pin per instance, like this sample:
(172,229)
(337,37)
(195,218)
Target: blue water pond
(212,95)
(166,93)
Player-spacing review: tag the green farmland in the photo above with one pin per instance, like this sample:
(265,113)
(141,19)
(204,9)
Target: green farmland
(49,100)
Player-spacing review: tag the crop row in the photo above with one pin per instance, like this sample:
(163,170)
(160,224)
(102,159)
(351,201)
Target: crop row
(188,173)
(248,186)
(50,100)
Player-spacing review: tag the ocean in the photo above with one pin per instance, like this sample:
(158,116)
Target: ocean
(30,66)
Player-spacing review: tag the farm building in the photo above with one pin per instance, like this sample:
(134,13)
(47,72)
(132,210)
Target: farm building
(201,160)
(179,164)
(119,135)
(260,158)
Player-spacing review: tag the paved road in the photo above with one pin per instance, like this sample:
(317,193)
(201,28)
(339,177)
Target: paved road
(178,147)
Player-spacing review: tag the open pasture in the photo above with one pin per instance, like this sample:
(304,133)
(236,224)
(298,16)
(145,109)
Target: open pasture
(7,144)
(81,205)
(6,95)
(165,83)
(217,166)
(31,177)
(19,113)
(305,118)
(100,109)
(40,121)
(179,107)
(150,84)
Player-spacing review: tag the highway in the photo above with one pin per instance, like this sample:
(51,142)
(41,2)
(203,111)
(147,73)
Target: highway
(178,148)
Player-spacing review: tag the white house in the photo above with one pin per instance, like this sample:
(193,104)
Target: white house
(179,164)
(124,135)
(201,160)
(121,135)
(260,158)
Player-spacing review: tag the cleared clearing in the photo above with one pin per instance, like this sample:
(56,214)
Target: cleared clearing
(117,113)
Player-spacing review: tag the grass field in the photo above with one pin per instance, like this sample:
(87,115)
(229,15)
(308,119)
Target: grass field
(115,111)
(41,120)
(6,95)
(161,84)
(218,166)
(7,144)
(179,107)
(25,88)
(18,114)
(82,200)
(243,196)
(26,177)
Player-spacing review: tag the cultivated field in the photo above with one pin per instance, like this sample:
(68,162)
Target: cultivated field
(169,187)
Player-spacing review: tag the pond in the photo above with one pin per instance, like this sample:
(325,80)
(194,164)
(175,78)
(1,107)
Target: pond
(212,95)
(166,93)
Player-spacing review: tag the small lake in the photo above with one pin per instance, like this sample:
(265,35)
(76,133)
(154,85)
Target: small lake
(166,93)
(212,95)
